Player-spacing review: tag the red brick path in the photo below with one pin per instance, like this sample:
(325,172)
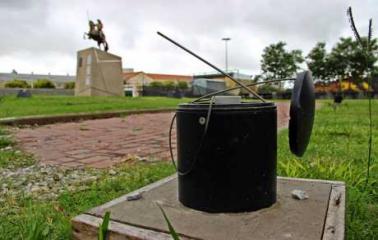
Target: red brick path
(105,142)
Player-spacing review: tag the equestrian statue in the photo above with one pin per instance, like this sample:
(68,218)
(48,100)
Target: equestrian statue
(96,33)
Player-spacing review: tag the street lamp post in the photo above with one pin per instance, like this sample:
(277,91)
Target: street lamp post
(226,39)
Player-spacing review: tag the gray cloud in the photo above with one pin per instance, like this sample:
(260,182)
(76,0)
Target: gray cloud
(43,36)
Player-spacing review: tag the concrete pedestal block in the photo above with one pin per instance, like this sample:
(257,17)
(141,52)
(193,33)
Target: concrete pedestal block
(320,217)
(98,73)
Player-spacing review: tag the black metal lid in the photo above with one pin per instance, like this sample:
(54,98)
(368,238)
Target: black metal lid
(302,111)
(243,106)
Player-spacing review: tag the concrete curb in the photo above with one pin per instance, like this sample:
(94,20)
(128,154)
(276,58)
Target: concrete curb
(73,117)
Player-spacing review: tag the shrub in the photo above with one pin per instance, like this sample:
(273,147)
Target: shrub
(267,88)
(43,83)
(69,85)
(156,84)
(169,85)
(17,84)
(182,85)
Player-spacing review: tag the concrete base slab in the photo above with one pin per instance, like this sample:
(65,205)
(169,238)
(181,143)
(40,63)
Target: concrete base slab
(321,216)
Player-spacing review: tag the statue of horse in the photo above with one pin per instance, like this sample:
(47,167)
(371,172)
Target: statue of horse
(97,34)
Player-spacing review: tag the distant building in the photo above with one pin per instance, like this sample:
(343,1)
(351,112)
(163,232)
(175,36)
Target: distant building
(235,74)
(134,81)
(210,82)
(58,80)
(202,86)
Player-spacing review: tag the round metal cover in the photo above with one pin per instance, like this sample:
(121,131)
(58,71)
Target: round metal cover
(302,111)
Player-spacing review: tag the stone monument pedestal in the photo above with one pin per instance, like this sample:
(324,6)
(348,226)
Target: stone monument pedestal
(98,73)
(320,217)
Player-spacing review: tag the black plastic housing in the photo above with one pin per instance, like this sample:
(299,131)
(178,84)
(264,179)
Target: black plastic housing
(234,170)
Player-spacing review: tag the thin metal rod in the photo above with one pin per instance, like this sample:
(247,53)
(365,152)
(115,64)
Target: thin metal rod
(367,50)
(249,85)
(211,65)
(226,58)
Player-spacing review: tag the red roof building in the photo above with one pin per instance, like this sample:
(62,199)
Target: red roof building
(142,78)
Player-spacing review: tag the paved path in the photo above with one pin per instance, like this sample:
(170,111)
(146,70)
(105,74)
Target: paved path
(105,142)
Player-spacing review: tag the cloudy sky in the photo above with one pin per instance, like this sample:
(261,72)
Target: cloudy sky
(43,36)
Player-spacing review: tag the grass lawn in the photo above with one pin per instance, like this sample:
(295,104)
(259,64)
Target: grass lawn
(337,151)
(54,105)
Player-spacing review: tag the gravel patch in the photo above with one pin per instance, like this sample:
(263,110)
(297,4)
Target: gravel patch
(44,182)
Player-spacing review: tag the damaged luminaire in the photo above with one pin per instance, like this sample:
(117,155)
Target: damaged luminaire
(227,149)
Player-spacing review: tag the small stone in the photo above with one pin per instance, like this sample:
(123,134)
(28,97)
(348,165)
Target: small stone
(299,194)
(134,197)
(82,188)
(56,177)
(142,159)
(88,180)
(8,148)
(35,189)
(39,189)
(287,235)
(112,172)
(24,181)
(74,176)
(48,196)
(42,184)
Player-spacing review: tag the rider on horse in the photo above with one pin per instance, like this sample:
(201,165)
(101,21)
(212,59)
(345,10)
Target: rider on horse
(92,29)
(96,33)
(100,26)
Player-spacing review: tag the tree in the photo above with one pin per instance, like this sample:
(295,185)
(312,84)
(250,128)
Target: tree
(358,62)
(278,63)
(318,62)
(257,78)
(169,85)
(340,58)
(182,85)
(348,59)
(156,84)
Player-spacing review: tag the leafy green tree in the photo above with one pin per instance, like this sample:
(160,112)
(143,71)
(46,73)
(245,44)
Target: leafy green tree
(318,62)
(277,62)
(156,84)
(348,59)
(16,83)
(340,58)
(267,88)
(182,85)
(358,62)
(169,85)
(257,78)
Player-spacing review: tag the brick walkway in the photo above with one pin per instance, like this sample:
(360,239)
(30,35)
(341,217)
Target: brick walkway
(105,142)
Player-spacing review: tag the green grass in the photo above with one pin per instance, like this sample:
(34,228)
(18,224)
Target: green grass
(10,157)
(56,105)
(25,217)
(338,151)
